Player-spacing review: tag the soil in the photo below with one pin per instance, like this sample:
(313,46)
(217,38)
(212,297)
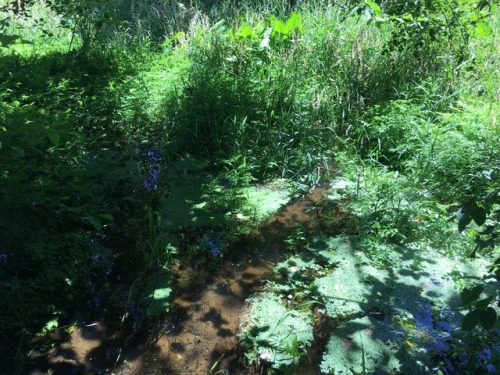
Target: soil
(199,336)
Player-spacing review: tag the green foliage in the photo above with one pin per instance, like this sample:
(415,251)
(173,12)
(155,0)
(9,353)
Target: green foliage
(71,183)
(274,335)
(402,96)
(239,98)
(482,311)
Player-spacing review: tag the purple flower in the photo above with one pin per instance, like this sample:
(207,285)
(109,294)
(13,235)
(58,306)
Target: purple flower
(213,242)
(152,161)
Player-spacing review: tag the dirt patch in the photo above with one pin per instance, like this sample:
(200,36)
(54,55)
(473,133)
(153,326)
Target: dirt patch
(200,333)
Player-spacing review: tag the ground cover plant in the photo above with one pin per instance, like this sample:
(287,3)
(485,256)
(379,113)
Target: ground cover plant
(139,136)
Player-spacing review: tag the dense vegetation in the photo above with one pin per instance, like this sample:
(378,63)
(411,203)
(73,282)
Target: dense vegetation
(98,99)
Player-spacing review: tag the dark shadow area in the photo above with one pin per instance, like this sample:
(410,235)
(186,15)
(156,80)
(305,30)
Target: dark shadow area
(214,317)
(64,212)
(76,186)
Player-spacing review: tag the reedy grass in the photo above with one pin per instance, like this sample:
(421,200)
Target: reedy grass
(287,102)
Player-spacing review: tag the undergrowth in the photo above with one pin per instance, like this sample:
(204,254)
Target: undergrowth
(98,100)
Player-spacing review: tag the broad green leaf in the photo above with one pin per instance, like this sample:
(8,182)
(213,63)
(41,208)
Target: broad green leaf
(469,208)
(488,318)
(463,222)
(280,27)
(479,215)
(179,35)
(295,22)
(470,320)
(245,31)
(95,221)
(483,29)
(375,7)
(53,136)
(471,294)
(483,304)
(106,216)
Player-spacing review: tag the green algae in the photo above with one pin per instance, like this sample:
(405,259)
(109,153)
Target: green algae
(196,198)
(274,334)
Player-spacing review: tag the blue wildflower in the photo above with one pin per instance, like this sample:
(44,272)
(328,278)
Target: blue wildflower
(484,355)
(153,170)
(491,369)
(214,248)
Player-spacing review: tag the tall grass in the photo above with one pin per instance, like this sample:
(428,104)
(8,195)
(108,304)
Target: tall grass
(279,106)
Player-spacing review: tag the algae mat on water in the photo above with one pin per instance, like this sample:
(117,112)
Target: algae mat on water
(397,318)
(198,198)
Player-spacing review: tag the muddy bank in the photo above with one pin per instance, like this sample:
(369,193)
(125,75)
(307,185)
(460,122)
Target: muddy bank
(200,332)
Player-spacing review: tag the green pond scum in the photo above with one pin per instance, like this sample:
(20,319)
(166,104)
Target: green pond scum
(141,141)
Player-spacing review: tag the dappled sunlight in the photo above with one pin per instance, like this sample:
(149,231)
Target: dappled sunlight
(249,187)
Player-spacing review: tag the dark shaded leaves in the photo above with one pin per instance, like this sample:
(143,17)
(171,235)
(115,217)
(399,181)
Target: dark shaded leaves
(487,318)
(471,294)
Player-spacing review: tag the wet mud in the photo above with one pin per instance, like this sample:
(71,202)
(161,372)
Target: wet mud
(199,334)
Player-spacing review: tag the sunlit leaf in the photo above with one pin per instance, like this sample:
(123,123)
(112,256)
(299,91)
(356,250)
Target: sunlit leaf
(177,36)
(245,31)
(280,27)
(483,29)
(375,7)
(295,22)
(162,293)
